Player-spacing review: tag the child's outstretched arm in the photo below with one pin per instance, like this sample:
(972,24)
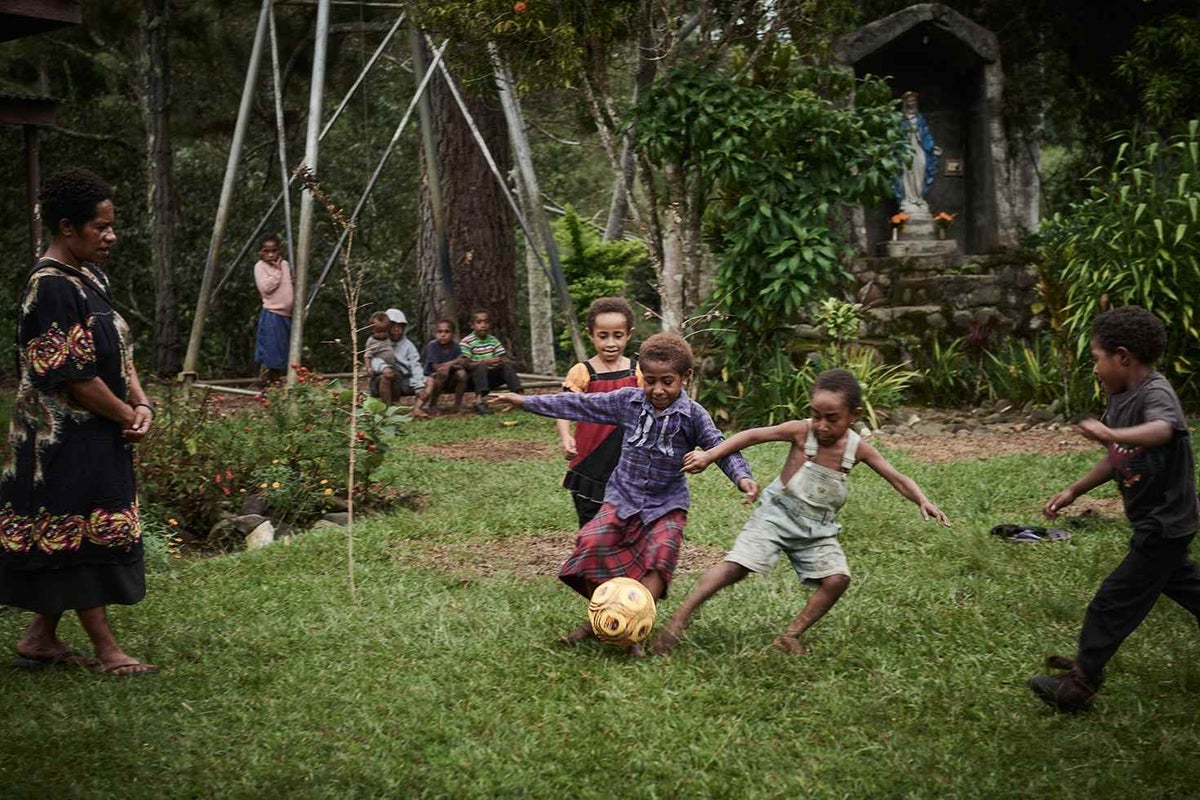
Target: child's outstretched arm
(1154,433)
(1097,475)
(732,463)
(697,462)
(903,484)
(603,407)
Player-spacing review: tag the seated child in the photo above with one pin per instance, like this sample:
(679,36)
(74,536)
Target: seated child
(444,367)
(392,363)
(594,449)
(1149,455)
(639,528)
(486,362)
(797,512)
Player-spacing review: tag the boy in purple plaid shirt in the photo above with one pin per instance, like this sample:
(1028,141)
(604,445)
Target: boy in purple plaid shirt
(638,530)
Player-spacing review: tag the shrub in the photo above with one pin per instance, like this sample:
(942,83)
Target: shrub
(202,459)
(1135,239)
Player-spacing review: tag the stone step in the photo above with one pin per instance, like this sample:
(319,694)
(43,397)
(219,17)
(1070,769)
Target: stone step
(909,248)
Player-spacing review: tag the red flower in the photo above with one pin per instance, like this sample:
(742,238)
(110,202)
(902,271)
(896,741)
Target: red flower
(361,435)
(519,7)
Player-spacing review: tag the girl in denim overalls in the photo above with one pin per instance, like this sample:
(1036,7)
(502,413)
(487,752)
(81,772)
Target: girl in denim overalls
(797,512)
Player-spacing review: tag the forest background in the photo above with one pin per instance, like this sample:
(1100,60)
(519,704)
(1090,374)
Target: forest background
(701,153)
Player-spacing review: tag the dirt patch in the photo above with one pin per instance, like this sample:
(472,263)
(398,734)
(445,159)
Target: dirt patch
(490,450)
(1092,507)
(523,556)
(985,443)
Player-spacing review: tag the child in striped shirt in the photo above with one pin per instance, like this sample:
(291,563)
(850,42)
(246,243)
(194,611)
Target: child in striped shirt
(487,365)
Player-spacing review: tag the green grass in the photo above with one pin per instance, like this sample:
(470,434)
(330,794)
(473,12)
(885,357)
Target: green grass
(275,683)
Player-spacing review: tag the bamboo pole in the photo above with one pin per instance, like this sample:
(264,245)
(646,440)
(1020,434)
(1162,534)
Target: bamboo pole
(281,136)
(328,124)
(311,153)
(387,153)
(533,203)
(433,180)
(576,338)
(223,207)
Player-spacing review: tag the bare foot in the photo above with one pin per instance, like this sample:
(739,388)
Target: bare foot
(666,641)
(419,413)
(578,635)
(792,644)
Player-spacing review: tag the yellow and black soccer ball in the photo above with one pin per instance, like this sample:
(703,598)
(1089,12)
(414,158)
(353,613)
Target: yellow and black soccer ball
(622,612)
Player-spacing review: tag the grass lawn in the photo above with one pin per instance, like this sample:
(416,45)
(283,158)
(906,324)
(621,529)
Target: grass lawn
(443,678)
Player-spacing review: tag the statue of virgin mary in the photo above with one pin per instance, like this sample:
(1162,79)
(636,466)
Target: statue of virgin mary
(911,186)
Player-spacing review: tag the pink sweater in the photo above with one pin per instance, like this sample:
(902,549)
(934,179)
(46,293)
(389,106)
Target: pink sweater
(275,286)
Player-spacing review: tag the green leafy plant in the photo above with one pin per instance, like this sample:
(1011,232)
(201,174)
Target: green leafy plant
(774,156)
(203,459)
(593,268)
(1135,239)
(950,376)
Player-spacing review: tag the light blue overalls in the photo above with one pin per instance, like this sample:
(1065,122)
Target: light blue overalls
(798,519)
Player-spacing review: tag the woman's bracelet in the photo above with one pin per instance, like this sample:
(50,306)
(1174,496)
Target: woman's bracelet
(146,406)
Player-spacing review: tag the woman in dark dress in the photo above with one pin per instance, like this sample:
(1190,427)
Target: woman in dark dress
(70,539)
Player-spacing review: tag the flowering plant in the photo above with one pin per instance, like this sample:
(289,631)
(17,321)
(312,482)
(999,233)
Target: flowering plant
(898,220)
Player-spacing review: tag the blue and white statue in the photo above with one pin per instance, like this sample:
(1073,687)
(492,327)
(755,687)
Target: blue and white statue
(911,186)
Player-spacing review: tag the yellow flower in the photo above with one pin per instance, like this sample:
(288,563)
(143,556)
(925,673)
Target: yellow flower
(328,492)
(172,521)
(262,486)
(324,481)
(275,485)
(275,461)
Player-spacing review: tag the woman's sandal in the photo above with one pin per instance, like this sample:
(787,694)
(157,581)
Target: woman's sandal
(70,658)
(132,669)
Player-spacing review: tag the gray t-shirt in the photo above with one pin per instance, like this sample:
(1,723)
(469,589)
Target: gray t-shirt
(1157,484)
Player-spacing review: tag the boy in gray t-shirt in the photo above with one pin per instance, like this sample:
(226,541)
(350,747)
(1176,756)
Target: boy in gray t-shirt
(1150,457)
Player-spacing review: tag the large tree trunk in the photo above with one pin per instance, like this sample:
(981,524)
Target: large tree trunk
(479,223)
(160,215)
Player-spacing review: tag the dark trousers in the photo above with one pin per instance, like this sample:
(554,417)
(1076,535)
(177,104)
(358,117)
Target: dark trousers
(1154,566)
(585,508)
(485,378)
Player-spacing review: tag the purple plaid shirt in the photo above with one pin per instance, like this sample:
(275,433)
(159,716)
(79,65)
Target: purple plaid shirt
(647,479)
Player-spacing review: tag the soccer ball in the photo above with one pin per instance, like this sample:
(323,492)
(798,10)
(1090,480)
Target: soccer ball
(621,612)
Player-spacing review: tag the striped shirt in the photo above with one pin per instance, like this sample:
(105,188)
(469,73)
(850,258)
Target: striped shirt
(478,349)
(647,479)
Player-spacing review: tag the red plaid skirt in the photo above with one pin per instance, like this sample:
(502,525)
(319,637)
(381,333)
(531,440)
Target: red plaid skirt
(609,547)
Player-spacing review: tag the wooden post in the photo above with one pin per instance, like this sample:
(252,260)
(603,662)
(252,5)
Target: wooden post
(312,143)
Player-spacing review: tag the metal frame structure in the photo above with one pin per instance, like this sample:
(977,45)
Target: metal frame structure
(315,133)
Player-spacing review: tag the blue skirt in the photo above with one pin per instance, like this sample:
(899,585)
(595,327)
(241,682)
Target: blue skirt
(274,336)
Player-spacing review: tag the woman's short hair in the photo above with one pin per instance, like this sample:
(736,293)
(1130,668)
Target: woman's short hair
(72,194)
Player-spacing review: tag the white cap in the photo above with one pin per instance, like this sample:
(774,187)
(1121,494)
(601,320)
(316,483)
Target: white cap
(397,316)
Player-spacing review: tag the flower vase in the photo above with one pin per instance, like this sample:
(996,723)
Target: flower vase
(941,233)
(895,232)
